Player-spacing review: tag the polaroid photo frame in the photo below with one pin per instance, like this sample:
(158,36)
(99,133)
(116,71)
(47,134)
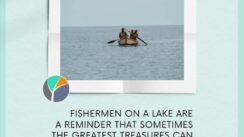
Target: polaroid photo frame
(188,85)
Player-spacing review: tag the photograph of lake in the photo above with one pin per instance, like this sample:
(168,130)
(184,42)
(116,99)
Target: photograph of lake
(109,41)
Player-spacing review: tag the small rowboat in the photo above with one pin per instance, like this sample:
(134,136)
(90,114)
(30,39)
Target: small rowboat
(128,42)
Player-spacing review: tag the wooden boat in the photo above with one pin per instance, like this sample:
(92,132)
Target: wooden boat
(128,42)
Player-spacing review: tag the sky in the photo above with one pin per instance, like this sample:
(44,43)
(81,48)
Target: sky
(121,12)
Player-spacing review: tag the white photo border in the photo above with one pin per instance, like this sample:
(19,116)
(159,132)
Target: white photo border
(188,85)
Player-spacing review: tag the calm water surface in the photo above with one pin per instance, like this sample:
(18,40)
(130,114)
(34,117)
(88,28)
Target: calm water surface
(85,54)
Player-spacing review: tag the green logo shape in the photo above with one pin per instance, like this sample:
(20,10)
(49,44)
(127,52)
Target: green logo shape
(52,81)
(56,88)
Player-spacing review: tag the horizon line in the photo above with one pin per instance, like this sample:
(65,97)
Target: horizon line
(125,25)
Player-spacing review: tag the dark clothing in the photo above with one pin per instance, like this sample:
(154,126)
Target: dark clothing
(134,36)
(123,35)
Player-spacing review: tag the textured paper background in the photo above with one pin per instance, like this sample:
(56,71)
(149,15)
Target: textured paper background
(2,68)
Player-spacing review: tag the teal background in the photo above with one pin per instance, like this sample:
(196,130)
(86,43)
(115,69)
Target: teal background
(30,114)
(2,68)
(241,68)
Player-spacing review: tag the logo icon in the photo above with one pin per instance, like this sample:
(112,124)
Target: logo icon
(56,88)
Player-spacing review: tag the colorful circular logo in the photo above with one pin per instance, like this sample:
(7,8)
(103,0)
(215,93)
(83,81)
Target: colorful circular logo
(56,88)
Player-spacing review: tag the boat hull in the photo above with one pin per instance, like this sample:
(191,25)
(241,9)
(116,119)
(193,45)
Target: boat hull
(128,42)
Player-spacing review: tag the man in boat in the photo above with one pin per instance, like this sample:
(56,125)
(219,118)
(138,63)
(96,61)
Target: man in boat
(131,34)
(134,35)
(123,34)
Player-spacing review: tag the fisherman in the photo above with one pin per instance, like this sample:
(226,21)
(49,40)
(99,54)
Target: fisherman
(123,34)
(134,35)
(131,34)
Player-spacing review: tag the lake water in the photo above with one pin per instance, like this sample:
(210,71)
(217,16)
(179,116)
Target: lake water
(85,54)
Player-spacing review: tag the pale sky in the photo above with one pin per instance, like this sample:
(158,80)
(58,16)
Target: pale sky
(121,12)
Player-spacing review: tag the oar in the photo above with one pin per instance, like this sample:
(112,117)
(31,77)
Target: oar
(142,41)
(138,38)
(112,41)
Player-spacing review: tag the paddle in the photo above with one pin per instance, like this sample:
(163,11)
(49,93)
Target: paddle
(139,38)
(112,41)
(142,41)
